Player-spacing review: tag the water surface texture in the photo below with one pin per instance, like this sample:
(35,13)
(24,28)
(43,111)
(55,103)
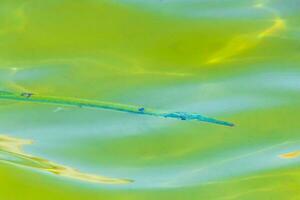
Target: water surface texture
(223,62)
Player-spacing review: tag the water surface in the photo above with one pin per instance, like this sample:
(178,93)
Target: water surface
(237,61)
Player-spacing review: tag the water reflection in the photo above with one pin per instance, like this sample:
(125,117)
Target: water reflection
(11,152)
(234,60)
(293,154)
(244,42)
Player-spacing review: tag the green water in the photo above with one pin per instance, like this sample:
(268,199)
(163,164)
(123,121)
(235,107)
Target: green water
(236,61)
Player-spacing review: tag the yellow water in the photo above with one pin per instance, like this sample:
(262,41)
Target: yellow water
(232,60)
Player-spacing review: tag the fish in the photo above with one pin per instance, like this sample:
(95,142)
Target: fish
(96,104)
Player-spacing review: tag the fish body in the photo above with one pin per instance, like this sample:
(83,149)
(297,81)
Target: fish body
(94,104)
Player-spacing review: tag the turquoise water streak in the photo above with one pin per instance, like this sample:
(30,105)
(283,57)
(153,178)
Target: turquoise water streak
(91,90)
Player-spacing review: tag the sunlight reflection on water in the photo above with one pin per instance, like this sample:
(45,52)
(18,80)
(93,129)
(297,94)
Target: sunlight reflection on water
(231,60)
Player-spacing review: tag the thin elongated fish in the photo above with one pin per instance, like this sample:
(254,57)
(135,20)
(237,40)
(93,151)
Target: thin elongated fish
(94,104)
